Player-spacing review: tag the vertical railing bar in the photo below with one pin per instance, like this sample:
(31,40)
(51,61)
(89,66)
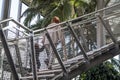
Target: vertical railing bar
(77,40)
(83,38)
(1,66)
(108,29)
(34,67)
(56,53)
(64,46)
(8,54)
(19,59)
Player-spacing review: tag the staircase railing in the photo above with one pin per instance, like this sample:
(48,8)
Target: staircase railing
(72,34)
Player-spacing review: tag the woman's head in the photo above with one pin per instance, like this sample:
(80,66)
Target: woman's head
(56,19)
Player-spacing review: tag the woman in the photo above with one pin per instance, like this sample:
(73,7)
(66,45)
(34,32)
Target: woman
(56,36)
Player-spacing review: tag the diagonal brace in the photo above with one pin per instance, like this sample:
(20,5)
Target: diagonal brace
(56,53)
(8,54)
(107,29)
(77,40)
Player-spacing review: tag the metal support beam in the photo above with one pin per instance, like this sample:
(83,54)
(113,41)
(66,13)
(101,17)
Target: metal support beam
(5,10)
(8,54)
(1,63)
(33,56)
(77,41)
(19,59)
(19,15)
(19,11)
(56,53)
(108,29)
(93,62)
(83,38)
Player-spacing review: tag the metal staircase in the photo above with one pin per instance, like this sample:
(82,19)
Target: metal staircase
(84,55)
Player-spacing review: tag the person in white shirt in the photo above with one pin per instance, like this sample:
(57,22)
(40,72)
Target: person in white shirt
(56,36)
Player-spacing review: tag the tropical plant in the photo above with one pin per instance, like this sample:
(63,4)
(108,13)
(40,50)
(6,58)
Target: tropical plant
(104,71)
(67,9)
(116,63)
(47,9)
(64,9)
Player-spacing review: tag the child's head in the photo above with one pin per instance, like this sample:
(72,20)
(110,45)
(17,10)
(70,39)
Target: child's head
(36,45)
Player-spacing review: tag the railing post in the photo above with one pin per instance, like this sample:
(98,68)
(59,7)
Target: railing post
(8,54)
(77,41)
(19,59)
(56,53)
(1,63)
(107,27)
(33,56)
(83,39)
(108,30)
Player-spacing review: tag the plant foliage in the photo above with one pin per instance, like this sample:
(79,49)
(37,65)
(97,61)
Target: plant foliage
(104,71)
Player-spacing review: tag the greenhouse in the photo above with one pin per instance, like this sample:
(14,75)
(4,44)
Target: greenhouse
(59,39)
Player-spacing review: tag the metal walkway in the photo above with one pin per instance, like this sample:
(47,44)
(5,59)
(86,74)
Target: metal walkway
(77,54)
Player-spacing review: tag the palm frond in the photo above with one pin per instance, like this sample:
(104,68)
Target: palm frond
(30,11)
(29,18)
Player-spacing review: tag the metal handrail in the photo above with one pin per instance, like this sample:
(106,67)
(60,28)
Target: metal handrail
(16,22)
(32,48)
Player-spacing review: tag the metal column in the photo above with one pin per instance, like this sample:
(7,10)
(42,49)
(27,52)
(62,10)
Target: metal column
(19,14)
(19,10)
(100,29)
(33,56)
(108,29)
(18,55)
(6,5)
